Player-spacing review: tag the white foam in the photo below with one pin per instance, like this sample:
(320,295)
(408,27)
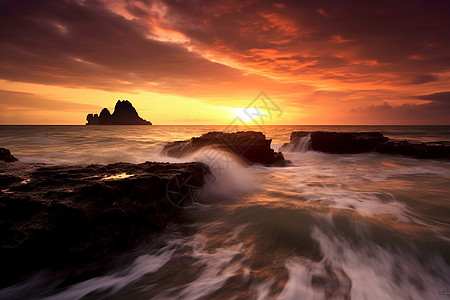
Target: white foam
(216,268)
(143,265)
(230,175)
(379,273)
(302,144)
(356,182)
(299,284)
(262,290)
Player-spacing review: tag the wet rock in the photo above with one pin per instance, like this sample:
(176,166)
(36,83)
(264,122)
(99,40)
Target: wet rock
(361,142)
(5,155)
(339,142)
(417,150)
(124,114)
(61,217)
(251,146)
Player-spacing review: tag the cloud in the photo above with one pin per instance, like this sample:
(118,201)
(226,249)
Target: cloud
(76,44)
(220,51)
(28,108)
(162,45)
(441,96)
(10,100)
(424,78)
(378,39)
(323,13)
(435,113)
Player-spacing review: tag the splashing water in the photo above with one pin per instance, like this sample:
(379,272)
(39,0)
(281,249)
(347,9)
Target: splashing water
(364,226)
(302,144)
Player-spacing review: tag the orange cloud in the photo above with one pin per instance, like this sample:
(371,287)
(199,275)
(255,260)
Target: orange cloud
(322,63)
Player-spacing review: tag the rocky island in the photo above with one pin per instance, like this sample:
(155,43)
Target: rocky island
(124,114)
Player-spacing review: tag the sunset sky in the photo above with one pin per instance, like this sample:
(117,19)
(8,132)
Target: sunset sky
(200,62)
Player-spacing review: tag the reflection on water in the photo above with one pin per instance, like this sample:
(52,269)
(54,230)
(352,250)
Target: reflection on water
(117,176)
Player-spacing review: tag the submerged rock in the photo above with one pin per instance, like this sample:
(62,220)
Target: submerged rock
(5,155)
(251,146)
(61,217)
(124,114)
(361,142)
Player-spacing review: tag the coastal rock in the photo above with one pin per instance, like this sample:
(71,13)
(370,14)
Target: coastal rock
(124,114)
(338,142)
(361,142)
(61,217)
(251,146)
(5,155)
(417,150)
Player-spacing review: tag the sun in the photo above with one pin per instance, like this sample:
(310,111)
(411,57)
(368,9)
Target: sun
(247,114)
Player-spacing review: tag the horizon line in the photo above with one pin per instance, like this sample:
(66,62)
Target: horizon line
(253,125)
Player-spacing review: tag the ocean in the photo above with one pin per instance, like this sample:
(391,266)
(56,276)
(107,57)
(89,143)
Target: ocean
(328,226)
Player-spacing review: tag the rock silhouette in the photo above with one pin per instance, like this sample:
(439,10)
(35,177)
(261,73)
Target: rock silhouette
(124,114)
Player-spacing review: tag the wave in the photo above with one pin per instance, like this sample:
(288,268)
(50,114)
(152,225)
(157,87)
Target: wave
(302,144)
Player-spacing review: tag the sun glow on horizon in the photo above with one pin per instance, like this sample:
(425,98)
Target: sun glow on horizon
(180,63)
(247,114)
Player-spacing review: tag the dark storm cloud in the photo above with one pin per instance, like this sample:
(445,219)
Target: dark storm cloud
(425,78)
(83,44)
(400,37)
(114,45)
(441,96)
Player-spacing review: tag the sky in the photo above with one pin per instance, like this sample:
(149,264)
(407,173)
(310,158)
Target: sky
(201,62)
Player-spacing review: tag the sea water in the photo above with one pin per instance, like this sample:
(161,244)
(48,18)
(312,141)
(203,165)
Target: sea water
(359,226)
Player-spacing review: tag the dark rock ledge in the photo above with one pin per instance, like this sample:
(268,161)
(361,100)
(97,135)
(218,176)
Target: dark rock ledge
(5,155)
(360,142)
(63,217)
(251,146)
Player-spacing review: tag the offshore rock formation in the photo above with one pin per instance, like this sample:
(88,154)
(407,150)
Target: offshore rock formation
(5,155)
(124,114)
(360,142)
(64,217)
(337,142)
(417,150)
(251,146)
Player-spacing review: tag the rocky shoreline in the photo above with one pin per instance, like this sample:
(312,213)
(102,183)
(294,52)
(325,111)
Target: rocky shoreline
(63,217)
